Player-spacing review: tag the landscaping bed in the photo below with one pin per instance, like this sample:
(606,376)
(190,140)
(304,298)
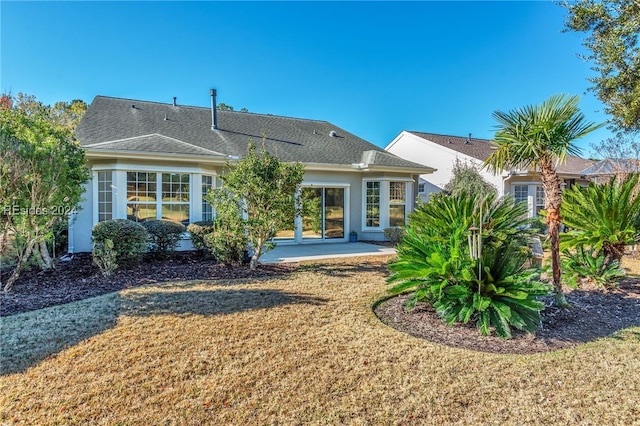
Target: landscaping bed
(80,279)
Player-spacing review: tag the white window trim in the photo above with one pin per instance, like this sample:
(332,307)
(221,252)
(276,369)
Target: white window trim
(347,213)
(96,195)
(385,202)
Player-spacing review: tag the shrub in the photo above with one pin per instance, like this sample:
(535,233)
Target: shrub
(129,239)
(164,235)
(495,290)
(104,256)
(394,234)
(227,241)
(585,264)
(198,231)
(603,217)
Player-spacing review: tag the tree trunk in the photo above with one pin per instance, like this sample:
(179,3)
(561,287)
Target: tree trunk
(257,252)
(553,200)
(47,262)
(22,259)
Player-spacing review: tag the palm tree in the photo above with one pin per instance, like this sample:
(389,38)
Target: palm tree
(541,136)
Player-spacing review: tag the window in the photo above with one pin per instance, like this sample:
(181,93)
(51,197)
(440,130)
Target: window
(207,210)
(397,202)
(105,194)
(421,187)
(149,194)
(141,196)
(372,204)
(521,193)
(175,197)
(539,199)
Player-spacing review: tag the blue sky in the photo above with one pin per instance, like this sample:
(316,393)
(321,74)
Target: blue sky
(372,68)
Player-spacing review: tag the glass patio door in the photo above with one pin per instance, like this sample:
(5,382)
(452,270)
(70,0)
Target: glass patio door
(322,213)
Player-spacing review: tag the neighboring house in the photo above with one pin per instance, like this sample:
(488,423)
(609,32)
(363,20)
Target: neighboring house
(442,152)
(605,169)
(152,160)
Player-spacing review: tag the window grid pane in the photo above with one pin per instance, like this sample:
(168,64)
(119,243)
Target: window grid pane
(521,193)
(207,210)
(175,197)
(539,199)
(105,206)
(397,197)
(373,204)
(141,196)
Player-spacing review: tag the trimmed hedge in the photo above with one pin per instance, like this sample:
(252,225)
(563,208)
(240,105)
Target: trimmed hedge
(163,235)
(198,230)
(129,239)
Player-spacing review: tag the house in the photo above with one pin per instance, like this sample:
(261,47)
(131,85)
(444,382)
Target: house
(151,160)
(442,152)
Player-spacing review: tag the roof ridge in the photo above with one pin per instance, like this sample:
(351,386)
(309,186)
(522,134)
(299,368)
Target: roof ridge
(208,108)
(449,136)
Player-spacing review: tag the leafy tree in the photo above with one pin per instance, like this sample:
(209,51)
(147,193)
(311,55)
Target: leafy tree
(613,27)
(541,136)
(224,107)
(263,186)
(603,217)
(493,289)
(467,178)
(41,178)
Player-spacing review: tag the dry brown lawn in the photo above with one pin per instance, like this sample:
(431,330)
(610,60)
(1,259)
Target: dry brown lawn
(300,349)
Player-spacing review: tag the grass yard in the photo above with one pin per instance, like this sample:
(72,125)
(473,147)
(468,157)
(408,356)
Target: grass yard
(300,349)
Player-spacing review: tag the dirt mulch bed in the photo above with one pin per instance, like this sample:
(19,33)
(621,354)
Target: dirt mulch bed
(593,314)
(80,279)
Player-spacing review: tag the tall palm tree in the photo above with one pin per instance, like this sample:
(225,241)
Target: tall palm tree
(541,136)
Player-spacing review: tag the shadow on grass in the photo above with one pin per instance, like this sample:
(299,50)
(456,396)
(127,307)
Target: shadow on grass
(30,337)
(185,301)
(346,270)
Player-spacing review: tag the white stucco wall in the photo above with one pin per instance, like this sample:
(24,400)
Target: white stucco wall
(352,181)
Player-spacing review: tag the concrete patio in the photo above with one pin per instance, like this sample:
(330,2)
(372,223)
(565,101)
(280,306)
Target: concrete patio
(301,252)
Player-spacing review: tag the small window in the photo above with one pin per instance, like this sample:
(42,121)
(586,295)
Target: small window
(373,204)
(105,196)
(421,188)
(539,199)
(521,193)
(397,203)
(207,209)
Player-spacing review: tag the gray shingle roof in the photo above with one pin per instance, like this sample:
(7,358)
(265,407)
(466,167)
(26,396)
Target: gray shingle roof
(482,148)
(132,125)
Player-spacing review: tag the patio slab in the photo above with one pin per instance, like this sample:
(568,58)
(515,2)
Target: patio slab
(301,252)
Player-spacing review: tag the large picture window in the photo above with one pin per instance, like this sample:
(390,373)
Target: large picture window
(152,196)
(141,196)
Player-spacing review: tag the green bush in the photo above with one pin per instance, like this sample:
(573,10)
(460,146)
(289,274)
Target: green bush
(129,239)
(104,256)
(227,241)
(585,264)
(198,230)
(394,234)
(164,235)
(434,262)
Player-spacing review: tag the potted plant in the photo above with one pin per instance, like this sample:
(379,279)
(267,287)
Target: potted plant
(353,237)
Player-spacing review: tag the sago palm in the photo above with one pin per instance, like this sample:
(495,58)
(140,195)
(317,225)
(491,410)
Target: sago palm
(434,263)
(541,136)
(604,217)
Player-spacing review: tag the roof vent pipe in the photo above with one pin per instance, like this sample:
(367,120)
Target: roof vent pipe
(469,138)
(174,101)
(214,116)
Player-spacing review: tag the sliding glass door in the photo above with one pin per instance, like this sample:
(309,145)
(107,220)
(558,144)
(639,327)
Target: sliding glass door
(322,213)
